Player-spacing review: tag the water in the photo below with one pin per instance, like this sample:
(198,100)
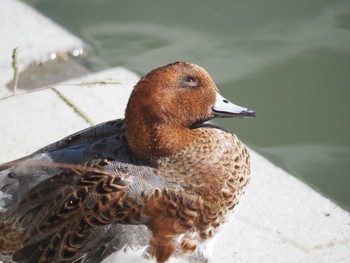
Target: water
(289,60)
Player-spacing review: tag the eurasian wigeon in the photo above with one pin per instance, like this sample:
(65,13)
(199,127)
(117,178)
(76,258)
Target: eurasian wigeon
(161,181)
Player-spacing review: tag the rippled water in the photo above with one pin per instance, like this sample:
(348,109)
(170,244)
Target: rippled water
(289,60)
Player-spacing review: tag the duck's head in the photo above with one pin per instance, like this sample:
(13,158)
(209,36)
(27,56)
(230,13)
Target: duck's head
(168,102)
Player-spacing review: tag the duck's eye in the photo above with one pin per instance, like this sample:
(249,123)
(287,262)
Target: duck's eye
(189,81)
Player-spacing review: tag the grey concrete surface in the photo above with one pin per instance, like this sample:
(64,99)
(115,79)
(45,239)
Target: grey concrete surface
(280,219)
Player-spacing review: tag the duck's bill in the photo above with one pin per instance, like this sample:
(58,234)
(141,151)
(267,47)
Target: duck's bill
(225,109)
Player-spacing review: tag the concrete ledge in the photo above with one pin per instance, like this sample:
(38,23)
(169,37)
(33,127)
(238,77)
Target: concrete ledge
(280,219)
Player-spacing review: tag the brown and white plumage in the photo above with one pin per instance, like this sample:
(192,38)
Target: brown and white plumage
(161,179)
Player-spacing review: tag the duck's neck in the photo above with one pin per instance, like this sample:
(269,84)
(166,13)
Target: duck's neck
(153,141)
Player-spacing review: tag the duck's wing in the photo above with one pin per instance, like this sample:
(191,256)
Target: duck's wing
(106,140)
(71,213)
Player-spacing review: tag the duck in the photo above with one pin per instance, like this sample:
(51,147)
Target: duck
(159,184)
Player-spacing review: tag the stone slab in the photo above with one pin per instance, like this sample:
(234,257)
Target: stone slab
(280,219)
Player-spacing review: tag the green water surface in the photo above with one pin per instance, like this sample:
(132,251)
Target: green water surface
(289,60)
